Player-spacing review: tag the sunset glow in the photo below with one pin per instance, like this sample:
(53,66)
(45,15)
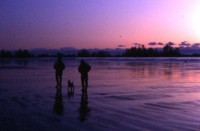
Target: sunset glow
(97,24)
(195,20)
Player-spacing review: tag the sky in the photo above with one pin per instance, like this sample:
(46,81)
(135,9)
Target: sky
(28,24)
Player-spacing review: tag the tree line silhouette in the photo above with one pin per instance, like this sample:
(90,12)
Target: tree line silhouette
(100,53)
(18,54)
(140,51)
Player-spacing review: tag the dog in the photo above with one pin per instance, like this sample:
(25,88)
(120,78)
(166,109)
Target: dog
(70,87)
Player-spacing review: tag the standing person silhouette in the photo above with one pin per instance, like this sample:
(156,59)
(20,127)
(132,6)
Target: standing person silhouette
(84,68)
(59,66)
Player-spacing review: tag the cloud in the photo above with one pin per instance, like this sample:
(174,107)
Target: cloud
(121,46)
(170,43)
(160,43)
(152,43)
(136,44)
(155,43)
(184,44)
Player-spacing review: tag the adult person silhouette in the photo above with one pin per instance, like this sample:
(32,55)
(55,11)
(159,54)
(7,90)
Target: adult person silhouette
(59,66)
(83,69)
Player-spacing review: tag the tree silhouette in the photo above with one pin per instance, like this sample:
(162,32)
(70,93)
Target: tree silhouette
(101,53)
(5,54)
(168,50)
(22,54)
(140,51)
(83,53)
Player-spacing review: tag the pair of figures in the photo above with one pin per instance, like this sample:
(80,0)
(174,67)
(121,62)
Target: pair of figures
(83,69)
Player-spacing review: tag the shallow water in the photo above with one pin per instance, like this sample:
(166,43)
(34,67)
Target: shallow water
(123,94)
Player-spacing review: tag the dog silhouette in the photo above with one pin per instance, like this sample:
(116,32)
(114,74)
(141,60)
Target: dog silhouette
(70,87)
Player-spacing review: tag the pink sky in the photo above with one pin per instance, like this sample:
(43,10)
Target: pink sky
(97,23)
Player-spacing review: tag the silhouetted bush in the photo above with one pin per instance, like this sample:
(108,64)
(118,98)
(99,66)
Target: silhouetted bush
(84,53)
(101,53)
(170,51)
(141,52)
(22,54)
(5,54)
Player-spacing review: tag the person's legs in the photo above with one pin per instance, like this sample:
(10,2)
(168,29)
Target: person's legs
(57,80)
(86,82)
(60,80)
(82,82)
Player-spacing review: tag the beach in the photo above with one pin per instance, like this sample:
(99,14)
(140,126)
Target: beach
(123,94)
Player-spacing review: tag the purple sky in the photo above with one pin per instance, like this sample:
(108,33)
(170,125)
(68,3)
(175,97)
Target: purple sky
(97,23)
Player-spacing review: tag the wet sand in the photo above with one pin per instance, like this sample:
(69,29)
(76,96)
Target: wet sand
(123,95)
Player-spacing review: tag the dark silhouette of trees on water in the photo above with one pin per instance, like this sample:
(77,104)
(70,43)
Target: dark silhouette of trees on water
(99,53)
(168,50)
(23,54)
(5,54)
(138,51)
(17,54)
(141,51)
(84,53)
